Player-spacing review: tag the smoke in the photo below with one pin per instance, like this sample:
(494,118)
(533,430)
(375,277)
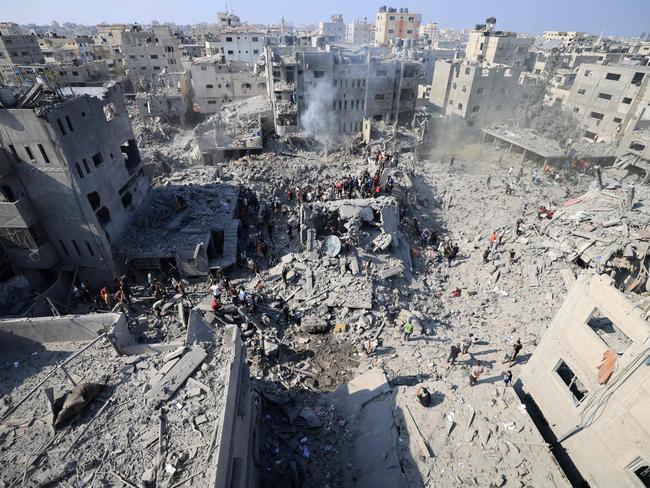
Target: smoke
(318,118)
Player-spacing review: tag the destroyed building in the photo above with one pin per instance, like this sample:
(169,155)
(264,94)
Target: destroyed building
(71,176)
(168,413)
(333,31)
(360,32)
(607,100)
(331,93)
(214,82)
(589,379)
(167,95)
(183,229)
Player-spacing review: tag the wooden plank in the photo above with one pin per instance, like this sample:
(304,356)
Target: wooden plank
(177,375)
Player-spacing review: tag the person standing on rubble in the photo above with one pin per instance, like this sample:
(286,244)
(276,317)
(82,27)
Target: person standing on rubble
(475,373)
(453,354)
(408,330)
(416,227)
(486,255)
(466,343)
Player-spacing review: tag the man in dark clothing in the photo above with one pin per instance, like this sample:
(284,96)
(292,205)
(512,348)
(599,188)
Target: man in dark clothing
(453,354)
(423,396)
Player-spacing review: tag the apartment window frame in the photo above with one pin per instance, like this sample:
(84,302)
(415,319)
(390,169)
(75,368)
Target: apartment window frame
(613,76)
(633,468)
(575,381)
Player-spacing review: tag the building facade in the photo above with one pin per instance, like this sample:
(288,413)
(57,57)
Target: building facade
(607,99)
(20,49)
(71,176)
(215,82)
(485,44)
(330,94)
(478,93)
(590,379)
(429,33)
(392,25)
(243,45)
(149,53)
(360,32)
(333,31)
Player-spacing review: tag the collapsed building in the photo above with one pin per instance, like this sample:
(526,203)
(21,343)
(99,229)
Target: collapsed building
(71,177)
(331,93)
(183,230)
(588,379)
(168,95)
(145,413)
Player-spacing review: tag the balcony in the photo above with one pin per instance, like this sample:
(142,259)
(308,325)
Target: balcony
(17,215)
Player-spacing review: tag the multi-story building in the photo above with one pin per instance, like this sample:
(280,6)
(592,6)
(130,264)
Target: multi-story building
(168,95)
(428,58)
(496,47)
(228,20)
(215,82)
(20,49)
(570,39)
(392,26)
(333,31)
(241,45)
(360,32)
(478,93)
(148,53)
(559,86)
(66,49)
(588,383)
(71,175)
(607,99)
(331,93)
(429,33)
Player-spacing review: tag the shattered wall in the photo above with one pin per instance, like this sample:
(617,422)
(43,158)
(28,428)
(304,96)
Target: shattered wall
(603,427)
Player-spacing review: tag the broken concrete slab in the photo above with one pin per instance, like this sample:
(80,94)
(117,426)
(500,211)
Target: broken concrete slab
(174,379)
(350,397)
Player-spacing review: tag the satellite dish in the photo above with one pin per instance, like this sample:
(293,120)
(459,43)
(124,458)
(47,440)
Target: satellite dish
(332,246)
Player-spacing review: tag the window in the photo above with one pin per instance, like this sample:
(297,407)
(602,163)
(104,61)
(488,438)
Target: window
(475,109)
(605,96)
(13,151)
(76,247)
(94,200)
(81,173)
(90,249)
(30,154)
(103,215)
(640,470)
(379,97)
(590,135)
(228,39)
(256,51)
(587,73)
(209,86)
(618,120)
(212,102)
(231,52)
(65,249)
(463,89)
(613,76)
(156,68)
(67,119)
(611,335)
(154,56)
(596,115)
(75,73)
(460,106)
(382,72)
(61,128)
(576,110)
(254,39)
(204,68)
(44,154)
(627,100)
(637,146)
(480,91)
(98,159)
(86,166)
(391,31)
(637,79)
(569,378)
(319,74)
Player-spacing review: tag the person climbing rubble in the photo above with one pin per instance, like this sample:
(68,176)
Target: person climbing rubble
(475,373)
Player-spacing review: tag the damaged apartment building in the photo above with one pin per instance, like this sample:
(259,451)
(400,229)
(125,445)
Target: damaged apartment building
(489,83)
(587,383)
(332,93)
(71,175)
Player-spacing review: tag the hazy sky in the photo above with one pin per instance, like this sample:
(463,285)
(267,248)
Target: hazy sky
(618,17)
